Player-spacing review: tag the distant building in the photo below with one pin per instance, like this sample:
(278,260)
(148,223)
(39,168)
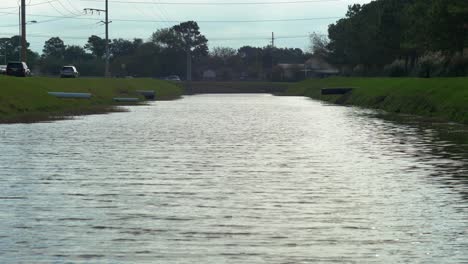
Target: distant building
(289,71)
(209,75)
(317,67)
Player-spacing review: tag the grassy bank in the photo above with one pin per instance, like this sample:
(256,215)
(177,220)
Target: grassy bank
(26,99)
(442,98)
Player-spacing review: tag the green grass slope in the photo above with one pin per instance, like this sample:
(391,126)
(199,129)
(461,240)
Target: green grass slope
(443,98)
(26,99)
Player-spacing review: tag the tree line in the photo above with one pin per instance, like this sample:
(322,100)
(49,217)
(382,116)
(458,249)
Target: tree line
(422,38)
(399,38)
(164,53)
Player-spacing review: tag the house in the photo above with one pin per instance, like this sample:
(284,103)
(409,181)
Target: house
(289,71)
(209,75)
(317,67)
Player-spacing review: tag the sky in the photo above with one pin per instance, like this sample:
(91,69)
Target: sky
(226,23)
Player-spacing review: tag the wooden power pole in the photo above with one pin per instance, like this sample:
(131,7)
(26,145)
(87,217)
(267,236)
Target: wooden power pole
(106,23)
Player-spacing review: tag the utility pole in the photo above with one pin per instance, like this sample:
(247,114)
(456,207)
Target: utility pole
(19,33)
(23,30)
(106,23)
(272,39)
(189,64)
(272,51)
(107,40)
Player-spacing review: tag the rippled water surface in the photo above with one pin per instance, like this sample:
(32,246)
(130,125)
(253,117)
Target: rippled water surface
(233,179)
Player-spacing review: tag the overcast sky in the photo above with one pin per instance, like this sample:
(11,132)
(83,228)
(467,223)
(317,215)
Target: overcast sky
(217,22)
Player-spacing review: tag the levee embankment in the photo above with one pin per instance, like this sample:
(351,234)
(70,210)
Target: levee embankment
(25,100)
(439,98)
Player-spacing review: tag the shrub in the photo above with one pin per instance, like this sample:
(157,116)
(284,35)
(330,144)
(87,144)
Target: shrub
(359,70)
(396,69)
(458,65)
(430,65)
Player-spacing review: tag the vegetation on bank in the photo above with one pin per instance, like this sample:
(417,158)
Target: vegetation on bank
(421,38)
(442,98)
(27,99)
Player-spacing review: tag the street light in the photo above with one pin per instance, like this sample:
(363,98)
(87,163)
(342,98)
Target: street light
(20,44)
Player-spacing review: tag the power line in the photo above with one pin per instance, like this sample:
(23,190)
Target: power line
(36,4)
(210,39)
(40,22)
(73,7)
(68,10)
(50,36)
(162,12)
(56,9)
(261,38)
(198,21)
(228,21)
(217,3)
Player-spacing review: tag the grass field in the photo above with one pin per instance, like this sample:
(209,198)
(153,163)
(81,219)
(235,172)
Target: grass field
(441,98)
(26,99)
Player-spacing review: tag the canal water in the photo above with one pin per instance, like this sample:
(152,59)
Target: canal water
(233,179)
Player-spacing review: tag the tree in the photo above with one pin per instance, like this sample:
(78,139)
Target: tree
(250,55)
(376,34)
(223,53)
(96,45)
(191,38)
(122,47)
(74,54)
(370,35)
(319,45)
(184,37)
(54,47)
(167,38)
(11,47)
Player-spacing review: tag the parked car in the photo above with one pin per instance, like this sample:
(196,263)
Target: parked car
(18,68)
(69,72)
(3,69)
(173,78)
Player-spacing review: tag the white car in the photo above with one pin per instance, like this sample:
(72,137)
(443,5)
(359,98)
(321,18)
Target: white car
(3,69)
(69,72)
(173,78)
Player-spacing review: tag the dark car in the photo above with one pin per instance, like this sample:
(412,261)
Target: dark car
(69,72)
(18,68)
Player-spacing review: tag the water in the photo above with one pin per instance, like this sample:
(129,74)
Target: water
(233,179)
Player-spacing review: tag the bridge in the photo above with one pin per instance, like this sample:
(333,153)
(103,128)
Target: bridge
(234,87)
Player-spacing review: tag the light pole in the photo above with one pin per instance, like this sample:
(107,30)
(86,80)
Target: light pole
(23,30)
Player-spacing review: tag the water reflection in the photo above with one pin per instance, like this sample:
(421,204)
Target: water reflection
(447,142)
(233,179)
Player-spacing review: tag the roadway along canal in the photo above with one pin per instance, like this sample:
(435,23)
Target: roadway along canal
(232,179)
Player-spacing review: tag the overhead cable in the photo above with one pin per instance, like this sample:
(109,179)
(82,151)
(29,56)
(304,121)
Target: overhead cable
(198,21)
(216,3)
